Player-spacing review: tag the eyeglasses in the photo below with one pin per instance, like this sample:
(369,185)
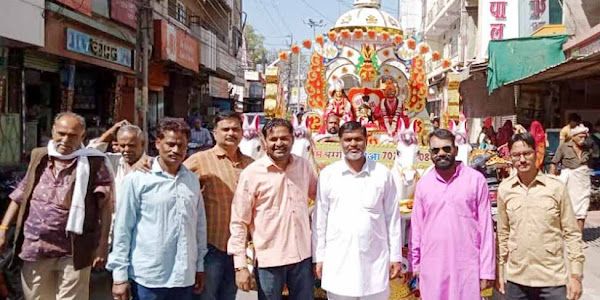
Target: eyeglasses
(526,154)
(435,151)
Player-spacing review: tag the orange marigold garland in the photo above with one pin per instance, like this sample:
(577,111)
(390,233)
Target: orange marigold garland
(372,34)
(412,44)
(332,36)
(295,49)
(320,40)
(307,44)
(436,56)
(415,102)
(283,55)
(358,34)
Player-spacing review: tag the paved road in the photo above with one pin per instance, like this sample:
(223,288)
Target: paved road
(591,280)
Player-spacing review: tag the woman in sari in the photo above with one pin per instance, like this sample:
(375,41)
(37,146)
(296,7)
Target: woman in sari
(537,130)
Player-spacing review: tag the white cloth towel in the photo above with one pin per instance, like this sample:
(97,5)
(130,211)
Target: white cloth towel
(82,178)
(579,186)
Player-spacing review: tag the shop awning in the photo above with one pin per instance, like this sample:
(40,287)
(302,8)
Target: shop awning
(514,59)
(573,68)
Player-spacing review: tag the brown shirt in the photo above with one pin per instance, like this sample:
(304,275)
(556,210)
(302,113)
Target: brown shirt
(533,225)
(567,156)
(218,176)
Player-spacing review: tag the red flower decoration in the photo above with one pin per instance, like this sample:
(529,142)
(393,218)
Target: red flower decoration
(332,35)
(385,36)
(344,70)
(295,49)
(320,39)
(446,64)
(307,44)
(358,34)
(386,52)
(436,56)
(372,34)
(398,39)
(424,49)
(412,44)
(345,33)
(350,53)
(283,55)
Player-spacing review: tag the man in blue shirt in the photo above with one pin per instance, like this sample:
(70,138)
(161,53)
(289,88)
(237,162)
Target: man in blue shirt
(200,138)
(160,225)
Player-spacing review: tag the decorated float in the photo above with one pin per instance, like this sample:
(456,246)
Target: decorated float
(366,69)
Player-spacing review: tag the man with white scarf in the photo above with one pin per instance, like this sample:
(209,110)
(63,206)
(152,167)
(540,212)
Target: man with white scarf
(63,209)
(575,156)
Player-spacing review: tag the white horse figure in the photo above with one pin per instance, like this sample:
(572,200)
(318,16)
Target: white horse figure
(303,145)
(251,144)
(405,175)
(461,141)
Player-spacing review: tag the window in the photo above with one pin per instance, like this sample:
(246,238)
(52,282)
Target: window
(181,13)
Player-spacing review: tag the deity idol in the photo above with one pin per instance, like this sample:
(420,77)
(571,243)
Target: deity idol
(339,104)
(389,111)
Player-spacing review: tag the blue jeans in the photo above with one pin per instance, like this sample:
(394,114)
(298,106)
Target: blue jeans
(220,276)
(140,292)
(299,278)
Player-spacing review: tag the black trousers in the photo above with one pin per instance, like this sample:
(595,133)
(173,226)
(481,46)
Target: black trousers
(520,292)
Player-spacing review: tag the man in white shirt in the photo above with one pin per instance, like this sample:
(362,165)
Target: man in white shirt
(131,142)
(356,225)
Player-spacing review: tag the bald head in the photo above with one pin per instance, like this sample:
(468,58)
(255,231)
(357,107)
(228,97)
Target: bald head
(68,132)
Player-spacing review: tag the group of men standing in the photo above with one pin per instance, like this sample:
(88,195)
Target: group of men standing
(181,226)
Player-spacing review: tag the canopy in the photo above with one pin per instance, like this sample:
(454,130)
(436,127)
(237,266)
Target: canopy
(514,59)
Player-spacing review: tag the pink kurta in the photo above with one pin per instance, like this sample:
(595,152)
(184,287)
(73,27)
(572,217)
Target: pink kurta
(452,243)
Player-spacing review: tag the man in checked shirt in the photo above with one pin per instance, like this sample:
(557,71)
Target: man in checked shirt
(218,170)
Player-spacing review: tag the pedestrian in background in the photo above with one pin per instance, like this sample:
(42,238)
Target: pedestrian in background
(535,220)
(575,156)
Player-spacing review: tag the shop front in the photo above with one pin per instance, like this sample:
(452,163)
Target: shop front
(80,68)
(175,85)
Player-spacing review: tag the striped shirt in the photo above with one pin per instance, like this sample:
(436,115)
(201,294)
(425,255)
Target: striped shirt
(218,176)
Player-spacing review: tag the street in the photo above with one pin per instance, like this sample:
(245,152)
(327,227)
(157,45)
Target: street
(591,278)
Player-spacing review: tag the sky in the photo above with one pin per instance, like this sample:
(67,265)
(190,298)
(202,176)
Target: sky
(276,19)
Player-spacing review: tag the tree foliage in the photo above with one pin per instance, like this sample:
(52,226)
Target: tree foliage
(257,53)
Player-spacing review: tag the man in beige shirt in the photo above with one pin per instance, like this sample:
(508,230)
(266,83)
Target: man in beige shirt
(535,220)
(271,203)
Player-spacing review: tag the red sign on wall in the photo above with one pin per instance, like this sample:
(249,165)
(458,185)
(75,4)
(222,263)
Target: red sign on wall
(176,45)
(124,11)
(82,6)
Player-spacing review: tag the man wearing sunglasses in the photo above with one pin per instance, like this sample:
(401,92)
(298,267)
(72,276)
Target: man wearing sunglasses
(452,243)
(535,221)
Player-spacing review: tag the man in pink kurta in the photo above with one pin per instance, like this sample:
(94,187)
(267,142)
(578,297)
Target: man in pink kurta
(452,244)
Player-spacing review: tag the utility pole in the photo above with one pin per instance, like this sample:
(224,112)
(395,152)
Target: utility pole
(289,83)
(314,24)
(147,12)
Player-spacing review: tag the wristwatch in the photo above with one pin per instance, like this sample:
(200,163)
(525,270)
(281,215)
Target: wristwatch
(3,227)
(577,277)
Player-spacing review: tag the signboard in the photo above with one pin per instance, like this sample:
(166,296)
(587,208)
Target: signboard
(93,46)
(176,45)
(82,6)
(328,153)
(218,88)
(124,11)
(499,20)
(533,15)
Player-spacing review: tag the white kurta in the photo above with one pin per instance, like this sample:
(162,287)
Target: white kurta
(356,229)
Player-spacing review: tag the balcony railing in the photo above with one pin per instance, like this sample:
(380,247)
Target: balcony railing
(435,9)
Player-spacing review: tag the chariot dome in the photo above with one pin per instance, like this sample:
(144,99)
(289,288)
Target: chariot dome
(367,15)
